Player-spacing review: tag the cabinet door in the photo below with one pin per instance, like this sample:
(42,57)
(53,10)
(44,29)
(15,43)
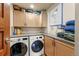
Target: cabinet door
(30,20)
(44,19)
(19,19)
(62,49)
(37,20)
(33,20)
(49,46)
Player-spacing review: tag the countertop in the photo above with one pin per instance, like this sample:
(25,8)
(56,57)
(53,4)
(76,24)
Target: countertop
(60,39)
(47,34)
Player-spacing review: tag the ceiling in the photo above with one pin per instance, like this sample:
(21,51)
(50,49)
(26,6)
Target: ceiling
(37,6)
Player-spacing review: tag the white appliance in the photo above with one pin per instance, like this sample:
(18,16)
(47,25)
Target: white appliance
(36,45)
(19,46)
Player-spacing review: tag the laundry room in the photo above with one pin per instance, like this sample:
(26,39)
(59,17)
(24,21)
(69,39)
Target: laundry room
(37,29)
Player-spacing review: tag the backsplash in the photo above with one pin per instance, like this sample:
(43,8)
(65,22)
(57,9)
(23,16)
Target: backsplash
(29,30)
(53,30)
(32,30)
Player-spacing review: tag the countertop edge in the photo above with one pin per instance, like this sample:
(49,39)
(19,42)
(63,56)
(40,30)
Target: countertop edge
(60,39)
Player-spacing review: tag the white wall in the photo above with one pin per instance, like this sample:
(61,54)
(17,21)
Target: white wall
(68,12)
(77,29)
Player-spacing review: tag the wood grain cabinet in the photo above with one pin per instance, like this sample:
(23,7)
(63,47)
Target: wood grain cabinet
(54,47)
(44,19)
(33,20)
(63,49)
(30,19)
(49,46)
(19,19)
(38,20)
(26,19)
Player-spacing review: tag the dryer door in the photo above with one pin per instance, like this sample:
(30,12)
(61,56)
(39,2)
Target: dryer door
(37,46)
(18,49)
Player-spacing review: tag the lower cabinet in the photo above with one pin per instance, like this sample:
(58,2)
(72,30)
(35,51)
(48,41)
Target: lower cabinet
(62,49)
(57,48)
(49,46)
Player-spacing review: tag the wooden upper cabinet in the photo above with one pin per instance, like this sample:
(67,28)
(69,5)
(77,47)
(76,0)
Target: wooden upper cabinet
(30,19)
(33,20)
(38,20)
(19,18)
(26,19)
(49,46)
(44,19)
(63,49)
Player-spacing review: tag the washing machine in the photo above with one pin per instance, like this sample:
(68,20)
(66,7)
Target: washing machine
(36,45)
(19,46)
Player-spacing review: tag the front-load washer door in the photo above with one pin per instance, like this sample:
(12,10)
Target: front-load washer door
(37,46)
(18,49)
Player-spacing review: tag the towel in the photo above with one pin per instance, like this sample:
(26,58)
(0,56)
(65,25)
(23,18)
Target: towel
(69,28)
(71,22)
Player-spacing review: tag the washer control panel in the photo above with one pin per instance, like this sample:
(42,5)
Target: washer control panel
(25,38)
(15,39)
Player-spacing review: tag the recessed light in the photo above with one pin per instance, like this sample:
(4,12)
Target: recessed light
(32,6)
